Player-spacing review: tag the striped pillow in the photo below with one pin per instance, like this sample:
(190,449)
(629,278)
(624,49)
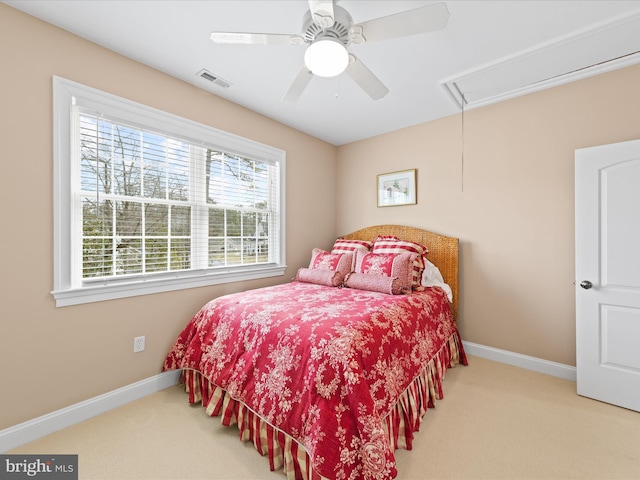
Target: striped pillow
(395,245)
(342,245)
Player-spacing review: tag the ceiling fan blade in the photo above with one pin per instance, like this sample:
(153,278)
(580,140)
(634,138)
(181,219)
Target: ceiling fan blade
(412,22)
(365,79)
(299,84)
(255,38)
(322,12)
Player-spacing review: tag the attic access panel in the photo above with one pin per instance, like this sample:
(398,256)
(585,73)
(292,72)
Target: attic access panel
(604,48)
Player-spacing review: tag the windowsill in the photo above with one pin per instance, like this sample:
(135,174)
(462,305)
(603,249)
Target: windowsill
(98,293)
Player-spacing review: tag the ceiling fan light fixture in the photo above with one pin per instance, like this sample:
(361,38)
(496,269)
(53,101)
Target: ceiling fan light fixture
(326,57)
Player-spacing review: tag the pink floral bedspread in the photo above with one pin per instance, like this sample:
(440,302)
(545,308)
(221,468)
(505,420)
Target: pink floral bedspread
(325,365)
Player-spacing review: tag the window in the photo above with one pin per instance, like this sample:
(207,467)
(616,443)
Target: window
(146,202)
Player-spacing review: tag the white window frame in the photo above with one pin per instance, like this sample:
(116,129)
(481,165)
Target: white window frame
(67,290)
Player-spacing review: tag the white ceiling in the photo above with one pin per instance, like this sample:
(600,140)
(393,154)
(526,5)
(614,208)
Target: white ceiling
(489,49)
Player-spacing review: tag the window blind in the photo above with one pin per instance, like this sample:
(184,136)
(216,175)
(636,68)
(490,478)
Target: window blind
(152,204)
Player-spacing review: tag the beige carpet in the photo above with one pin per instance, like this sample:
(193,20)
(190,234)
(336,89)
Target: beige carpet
(495,422)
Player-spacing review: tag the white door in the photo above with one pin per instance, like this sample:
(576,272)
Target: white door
(608,273)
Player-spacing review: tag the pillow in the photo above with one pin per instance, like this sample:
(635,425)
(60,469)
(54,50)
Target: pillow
(330,278)
(322,260)
(386,273)
(431,273)
(432,277)
(390,244)
(373,283)
(326,268)
(342,245)
(379,238)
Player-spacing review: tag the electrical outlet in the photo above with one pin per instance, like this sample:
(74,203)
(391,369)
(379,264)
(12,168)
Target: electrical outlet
(138,344)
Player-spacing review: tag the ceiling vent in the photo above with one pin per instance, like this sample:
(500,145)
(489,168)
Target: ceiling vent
(207,75)
(610,45)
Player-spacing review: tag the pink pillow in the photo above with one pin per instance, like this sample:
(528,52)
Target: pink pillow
(330,278)
(387,273)
(374,283)
(379,238)
(342,245)
(390,244)
(322,260)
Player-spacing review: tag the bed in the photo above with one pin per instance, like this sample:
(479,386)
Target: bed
(330,373)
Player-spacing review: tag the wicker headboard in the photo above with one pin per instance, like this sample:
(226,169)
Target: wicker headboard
(443,251)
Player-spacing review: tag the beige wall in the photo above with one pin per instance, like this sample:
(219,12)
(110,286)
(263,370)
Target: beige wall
(54,357)
(511,205)
(511,202)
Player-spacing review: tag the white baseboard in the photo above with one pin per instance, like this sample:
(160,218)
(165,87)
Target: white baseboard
(31,430)
(523,361)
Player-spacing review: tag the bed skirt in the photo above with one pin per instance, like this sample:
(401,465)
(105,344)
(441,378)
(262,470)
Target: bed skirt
(286,453)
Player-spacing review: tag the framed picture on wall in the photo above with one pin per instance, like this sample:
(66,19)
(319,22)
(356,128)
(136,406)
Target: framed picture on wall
(397,188)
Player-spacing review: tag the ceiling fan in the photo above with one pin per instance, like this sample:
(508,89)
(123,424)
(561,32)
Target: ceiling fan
(328,30)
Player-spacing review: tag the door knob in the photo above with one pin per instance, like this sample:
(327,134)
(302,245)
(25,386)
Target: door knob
(586,284)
